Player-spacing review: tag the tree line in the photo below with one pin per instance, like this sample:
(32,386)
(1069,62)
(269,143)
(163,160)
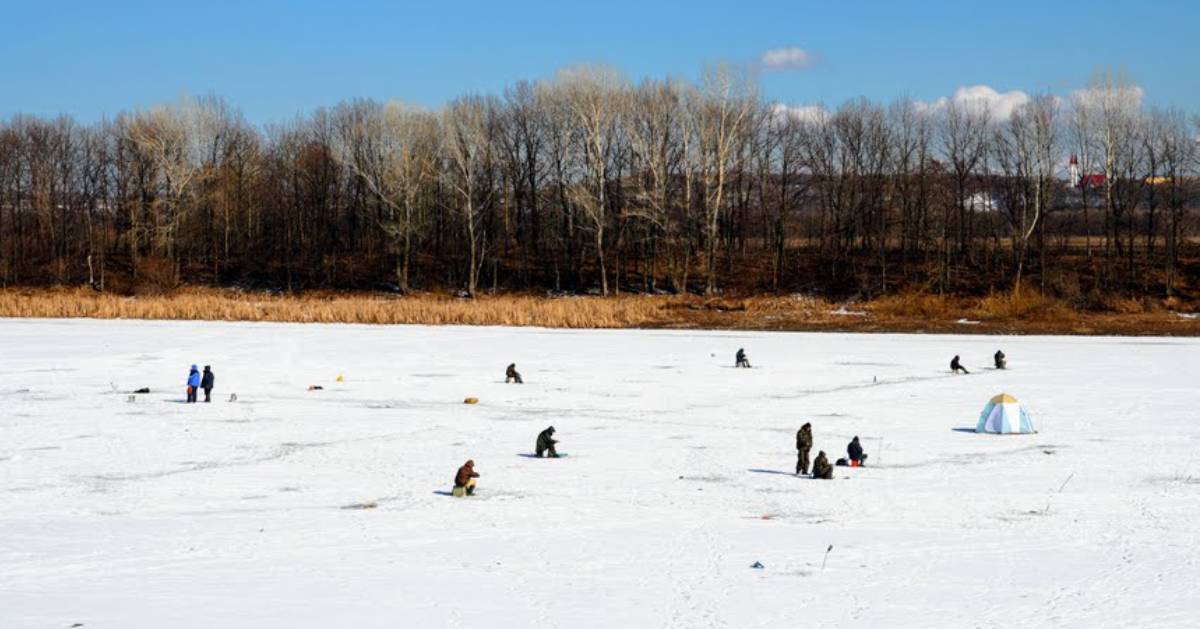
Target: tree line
(588,183)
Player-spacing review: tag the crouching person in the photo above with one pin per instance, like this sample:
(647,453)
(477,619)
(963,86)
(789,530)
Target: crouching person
(511,375)
(741,359)
(857,458)
(956,365)
(821,467)
(464,480)
(545,443)
(1001,360)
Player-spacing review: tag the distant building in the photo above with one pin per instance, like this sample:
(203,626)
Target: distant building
(1083,180)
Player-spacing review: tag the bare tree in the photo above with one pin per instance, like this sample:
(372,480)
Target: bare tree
(564,182)
(726,99)
(466,132)
(1027,146)
(594,95)
(1172,152)
(171,137)
(652,125)
(392,148)
(1116,103)
(965,133)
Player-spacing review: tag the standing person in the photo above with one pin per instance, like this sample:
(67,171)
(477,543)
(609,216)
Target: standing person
(545,443)
(511,375)
(464,479)
(193,383)
(1001,360)
(857,458)
(742,361)
(821,467)
(804,440)
(956,366)
(207,380)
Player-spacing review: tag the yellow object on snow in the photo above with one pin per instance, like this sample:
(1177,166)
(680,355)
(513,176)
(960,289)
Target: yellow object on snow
(461,492)
(471,400)
(341,378)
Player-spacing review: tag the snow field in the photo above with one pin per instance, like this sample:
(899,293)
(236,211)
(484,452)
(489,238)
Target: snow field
(250,514)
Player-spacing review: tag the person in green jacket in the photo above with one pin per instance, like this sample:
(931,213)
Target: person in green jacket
(821,467)
(804,442)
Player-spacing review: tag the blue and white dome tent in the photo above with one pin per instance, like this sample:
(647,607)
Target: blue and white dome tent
(1004,415)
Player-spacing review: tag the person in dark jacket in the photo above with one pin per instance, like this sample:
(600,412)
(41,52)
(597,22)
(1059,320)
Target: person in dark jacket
(857,458)
(464,479)
(511,375)
(207,380)
(804,440)
(742,361)
(956,366)
(1001,360)
(193,384)
(545,443)
(821,467)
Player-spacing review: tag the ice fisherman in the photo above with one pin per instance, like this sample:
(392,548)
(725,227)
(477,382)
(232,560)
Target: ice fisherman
(511,375)
(545,443)
(464,480)
(193,383)
(956,366)
(207,380)
(855,452)
(742,361)
(804,440)
(1001,360)
(821,467)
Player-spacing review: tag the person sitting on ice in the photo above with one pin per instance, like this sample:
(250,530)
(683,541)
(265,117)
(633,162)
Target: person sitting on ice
(193,383)
(821,467)
(545,443)
(511,375)
(855,451)
(742,361)
(1001,360)
(464,480)
(956,366)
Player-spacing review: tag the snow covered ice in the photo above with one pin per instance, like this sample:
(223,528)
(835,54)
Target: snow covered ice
(258,513)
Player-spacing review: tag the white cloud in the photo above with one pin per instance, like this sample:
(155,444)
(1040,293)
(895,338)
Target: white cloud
(980,98)
(786,59)
(802,113)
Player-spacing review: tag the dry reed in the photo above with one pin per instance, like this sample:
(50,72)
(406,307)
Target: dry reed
(203,304)
(1007,312)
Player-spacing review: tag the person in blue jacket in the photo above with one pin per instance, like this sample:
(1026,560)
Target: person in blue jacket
(193,383)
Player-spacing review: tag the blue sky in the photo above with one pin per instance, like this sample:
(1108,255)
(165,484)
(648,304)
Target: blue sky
(276,59)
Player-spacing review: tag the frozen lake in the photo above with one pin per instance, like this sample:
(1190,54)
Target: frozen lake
(160,514)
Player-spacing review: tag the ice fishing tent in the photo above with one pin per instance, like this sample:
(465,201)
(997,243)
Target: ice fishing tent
(1004,415)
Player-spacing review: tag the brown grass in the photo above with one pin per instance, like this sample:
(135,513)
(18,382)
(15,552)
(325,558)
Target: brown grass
(1027,312)
(208,304)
